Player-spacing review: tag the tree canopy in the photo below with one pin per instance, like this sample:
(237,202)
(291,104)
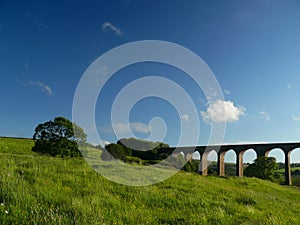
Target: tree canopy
(58,137)
(263,168)
(141,145)
(145,150)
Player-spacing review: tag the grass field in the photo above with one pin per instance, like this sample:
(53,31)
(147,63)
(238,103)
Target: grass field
(43,190)
(292,169)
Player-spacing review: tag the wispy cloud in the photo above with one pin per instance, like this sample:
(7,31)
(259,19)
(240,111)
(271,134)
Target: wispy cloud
(44,87)
(296,118)
(222,111)
(47,89)
(40,24)
(185,117)
(211,93)
(227,92)
(264,115)
(139,127)
(109,26)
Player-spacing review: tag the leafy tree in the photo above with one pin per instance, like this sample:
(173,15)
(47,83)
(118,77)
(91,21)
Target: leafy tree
(190,167)
(131,147)
(156,151)
(143,149)
(263,168)
(58,137)
(114,151)
(141,145)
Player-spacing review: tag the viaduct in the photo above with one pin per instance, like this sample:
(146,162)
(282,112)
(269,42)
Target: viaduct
(240,149)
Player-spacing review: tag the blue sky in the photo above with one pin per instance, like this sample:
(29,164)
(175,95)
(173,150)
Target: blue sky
(252,47)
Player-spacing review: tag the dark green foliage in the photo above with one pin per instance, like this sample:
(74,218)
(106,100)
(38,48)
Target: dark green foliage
(136,148)
(160,151)
(57,138)
(212,169)
(296,172)
(281,165)
(146,150)
(190,167)
(196,164)
(263,168)
(133,160)
(141,145)
(230,169)
(115,150)
(277,178)
(156,154)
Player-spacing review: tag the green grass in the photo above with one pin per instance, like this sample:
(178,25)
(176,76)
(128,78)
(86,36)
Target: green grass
(292,169)
(43,190)
(295,176)
(16,146)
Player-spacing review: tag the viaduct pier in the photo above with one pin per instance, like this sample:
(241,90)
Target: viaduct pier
(240,149)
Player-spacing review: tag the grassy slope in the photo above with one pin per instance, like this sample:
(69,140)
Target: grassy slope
(16,146)
(42,190)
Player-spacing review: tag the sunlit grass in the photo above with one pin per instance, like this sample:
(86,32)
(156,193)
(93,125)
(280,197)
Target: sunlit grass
(44,190)
(16,146)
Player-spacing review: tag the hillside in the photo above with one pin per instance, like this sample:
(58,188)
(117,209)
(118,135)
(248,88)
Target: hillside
(43,190)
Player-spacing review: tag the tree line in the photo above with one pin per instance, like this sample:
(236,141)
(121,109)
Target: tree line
(61,137)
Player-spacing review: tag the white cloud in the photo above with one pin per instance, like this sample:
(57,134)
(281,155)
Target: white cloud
(222,111)
(102,143)
(296,118)
(105,142)
(44,87)
(227,92)
(109,26)
(264,115)
(185,118)
(289,86)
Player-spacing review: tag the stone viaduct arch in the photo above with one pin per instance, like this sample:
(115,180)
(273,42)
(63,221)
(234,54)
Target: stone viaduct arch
(260,149)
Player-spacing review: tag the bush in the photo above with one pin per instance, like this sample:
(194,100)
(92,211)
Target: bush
(114,151)
(190,166)
(263,168)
